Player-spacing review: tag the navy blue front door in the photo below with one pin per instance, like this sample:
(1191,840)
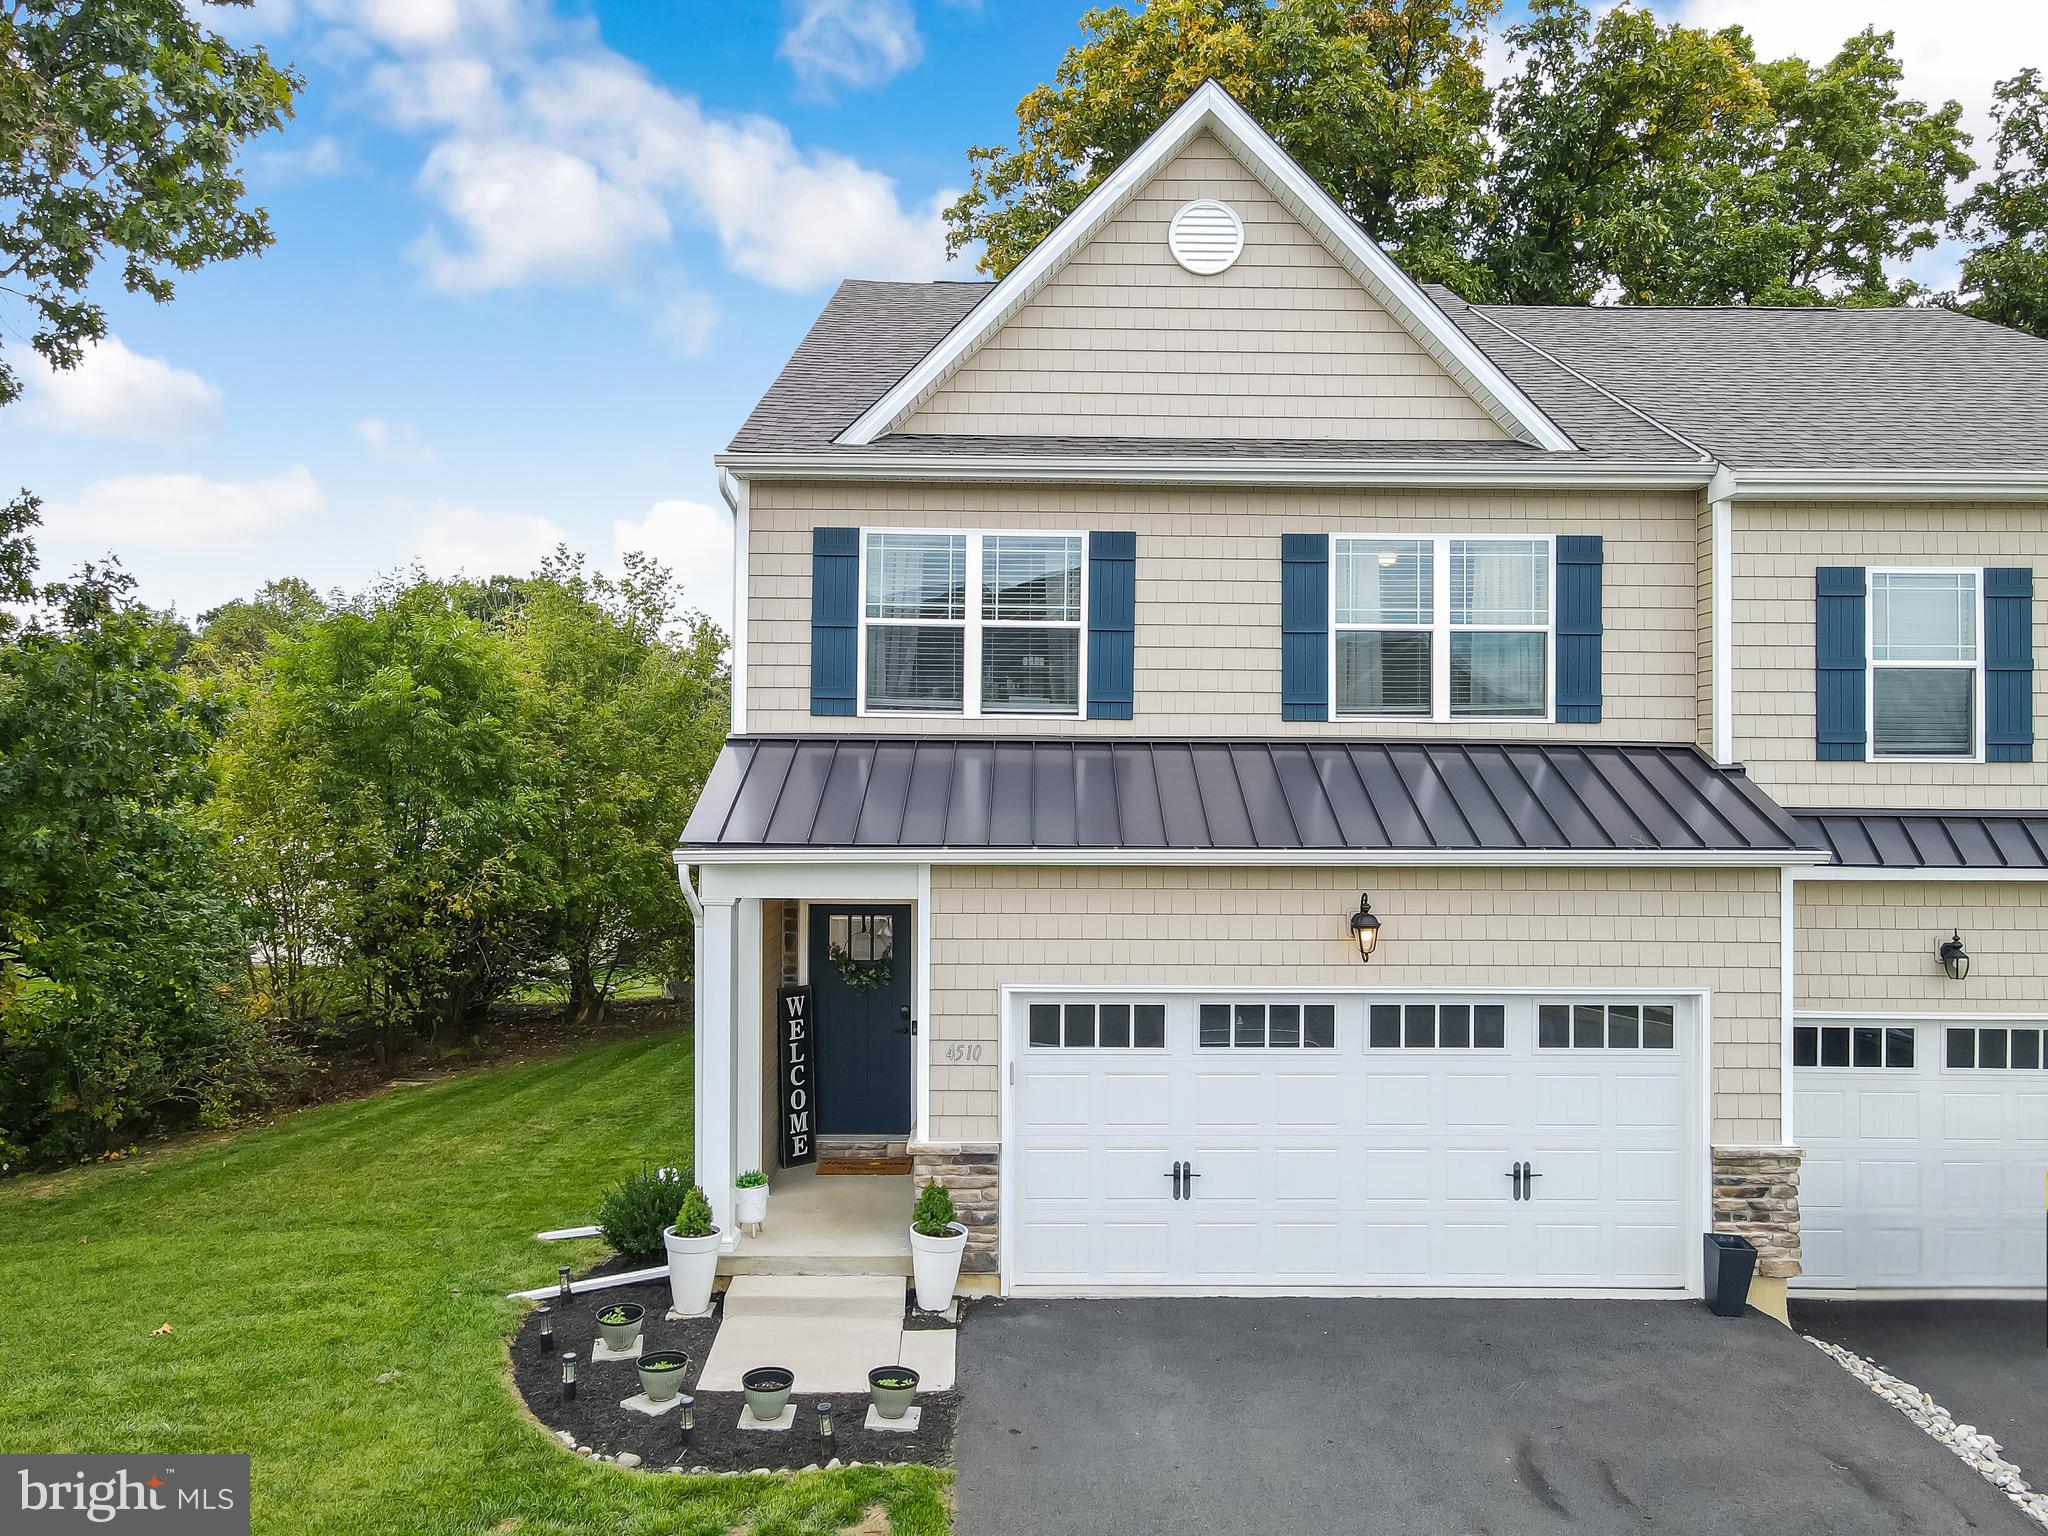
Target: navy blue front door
(861,968)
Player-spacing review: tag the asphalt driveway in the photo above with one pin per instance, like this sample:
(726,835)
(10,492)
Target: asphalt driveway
(1986,1362)
(1432,1418)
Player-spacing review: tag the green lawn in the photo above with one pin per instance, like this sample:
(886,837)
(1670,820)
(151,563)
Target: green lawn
(300,1263)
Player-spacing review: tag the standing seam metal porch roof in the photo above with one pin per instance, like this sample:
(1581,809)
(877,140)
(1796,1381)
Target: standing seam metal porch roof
(887,792)
(1982,840)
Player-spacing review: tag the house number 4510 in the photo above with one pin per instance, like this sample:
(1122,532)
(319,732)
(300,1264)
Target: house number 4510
(960,1052)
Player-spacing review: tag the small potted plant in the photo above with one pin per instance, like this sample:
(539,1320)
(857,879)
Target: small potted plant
(692,1245)
(620,1323)
(890,1389)
(936,1241)
(767,1388)
(661,1374)
(750,1195)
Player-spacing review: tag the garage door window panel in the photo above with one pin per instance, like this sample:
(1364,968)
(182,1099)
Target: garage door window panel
(1437,1026)
(1097,1026)
(1606,1026)
(1997,1050)
(1268,1026)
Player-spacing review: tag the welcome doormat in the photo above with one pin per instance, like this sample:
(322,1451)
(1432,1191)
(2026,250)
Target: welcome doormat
(830,1165)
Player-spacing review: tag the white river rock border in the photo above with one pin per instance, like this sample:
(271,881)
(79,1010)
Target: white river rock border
(1976,1448)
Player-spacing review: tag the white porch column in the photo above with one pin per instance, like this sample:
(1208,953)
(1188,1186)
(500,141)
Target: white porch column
(715,1026)
(748,1056)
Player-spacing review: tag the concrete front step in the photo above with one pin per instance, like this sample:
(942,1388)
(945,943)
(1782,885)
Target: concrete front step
(842,1296)
(753,1263)
(827,1329)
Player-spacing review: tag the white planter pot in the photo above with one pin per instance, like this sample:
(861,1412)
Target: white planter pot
(936,1263)
(692,1266)
(750,1205)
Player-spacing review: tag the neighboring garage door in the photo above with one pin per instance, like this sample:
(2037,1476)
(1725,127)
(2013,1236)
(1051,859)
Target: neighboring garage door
(1926,1147)
(1350,1141)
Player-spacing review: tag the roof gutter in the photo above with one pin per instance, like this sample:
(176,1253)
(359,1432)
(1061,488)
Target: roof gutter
(1100,469)
(1882,484)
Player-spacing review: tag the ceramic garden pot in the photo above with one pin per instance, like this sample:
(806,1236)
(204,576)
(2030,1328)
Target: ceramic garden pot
(621,1335)
(692,1266)
(662,1372)
(750,1206)
(767,1388)
(891,1388)
(936,1263)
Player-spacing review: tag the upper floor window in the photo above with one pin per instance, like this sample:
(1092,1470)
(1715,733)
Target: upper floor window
(971,623)
(1442,628)
(1925,661)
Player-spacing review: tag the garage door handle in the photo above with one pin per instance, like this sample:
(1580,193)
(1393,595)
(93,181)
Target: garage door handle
(1175,1176)
(1187,1181)
(1529,1178)
(1515,1173)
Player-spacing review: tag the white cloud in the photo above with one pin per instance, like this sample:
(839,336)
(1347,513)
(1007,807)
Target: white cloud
(859,43)
(115,392)
(686,321)
(183,511)
(559,160)
(313,160)
(529,212)
(462,541)
(395,442)
(695,542)
(416,25)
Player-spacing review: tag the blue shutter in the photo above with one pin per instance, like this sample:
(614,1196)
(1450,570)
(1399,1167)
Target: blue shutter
(1112,620)
(1838,663)
(835,619)
(2009,664)
(1578,628)
(1304,626)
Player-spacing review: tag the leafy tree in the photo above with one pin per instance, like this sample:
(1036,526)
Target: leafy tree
(2005,278)
(235,636)
(118,943)
(120,122)
(404,717)
(626,699)
(1611,139)
(1382,101)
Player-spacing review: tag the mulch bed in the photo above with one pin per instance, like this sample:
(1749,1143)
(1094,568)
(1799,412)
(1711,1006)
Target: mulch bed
(596,1420)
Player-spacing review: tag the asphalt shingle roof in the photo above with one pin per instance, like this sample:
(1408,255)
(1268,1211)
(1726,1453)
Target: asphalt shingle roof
(1755,388)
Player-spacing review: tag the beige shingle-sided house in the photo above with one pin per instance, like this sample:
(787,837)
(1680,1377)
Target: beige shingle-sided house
(1116,644)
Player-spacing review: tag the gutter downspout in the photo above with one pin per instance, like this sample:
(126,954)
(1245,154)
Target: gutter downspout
(1721,505)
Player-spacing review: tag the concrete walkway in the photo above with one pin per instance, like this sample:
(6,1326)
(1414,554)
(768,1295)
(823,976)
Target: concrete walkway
(1433,1418)
(828,1329)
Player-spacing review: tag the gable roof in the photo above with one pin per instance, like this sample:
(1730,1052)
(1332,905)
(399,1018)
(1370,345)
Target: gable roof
(1211,109)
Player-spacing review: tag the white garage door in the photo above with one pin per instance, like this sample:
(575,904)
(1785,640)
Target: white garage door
(1926,1148)
(1226,1141)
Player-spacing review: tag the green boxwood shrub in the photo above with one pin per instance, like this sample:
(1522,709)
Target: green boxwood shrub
(634,1212)
(933,1215)
(694,1219)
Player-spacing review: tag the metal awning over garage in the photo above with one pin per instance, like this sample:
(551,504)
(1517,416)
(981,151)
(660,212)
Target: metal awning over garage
(2016,840)
(910,793)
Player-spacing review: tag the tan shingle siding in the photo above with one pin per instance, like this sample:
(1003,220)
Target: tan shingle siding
(1871,944)
(1643,929)
(1124,342)
(1777,548)
(1207,647)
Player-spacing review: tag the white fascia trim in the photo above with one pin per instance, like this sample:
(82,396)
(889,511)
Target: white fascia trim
(1924,876)
(734,490)
(1123,469)
(1888,485)
(1211,107)
(1922,1016)
(709,860)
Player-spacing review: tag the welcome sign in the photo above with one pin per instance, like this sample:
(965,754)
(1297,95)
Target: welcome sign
(797,1093)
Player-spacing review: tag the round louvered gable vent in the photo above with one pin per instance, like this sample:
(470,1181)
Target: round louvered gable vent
(1206,236)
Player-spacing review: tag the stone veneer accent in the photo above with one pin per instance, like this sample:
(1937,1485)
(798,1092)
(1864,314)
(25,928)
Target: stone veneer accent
(969,1172)
(1756,1194)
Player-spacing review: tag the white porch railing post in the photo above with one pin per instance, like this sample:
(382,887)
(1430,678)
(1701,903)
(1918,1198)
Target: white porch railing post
(716,1025)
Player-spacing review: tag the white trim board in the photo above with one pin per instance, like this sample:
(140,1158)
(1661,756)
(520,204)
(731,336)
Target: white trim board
(1543,472)
(1211,108)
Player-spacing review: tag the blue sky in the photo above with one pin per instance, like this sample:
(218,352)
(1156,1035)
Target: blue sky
(536,258)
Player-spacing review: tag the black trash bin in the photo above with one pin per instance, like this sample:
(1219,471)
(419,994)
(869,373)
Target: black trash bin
(1731,1261)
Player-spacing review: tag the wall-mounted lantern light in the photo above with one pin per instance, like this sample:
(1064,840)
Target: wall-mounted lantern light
(1365,928)
(1954,958)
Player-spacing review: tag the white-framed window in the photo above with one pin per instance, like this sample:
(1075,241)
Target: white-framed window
(1844,1045)
(972,624)
(1099,1026)
(1437,1026)
(1926,687)
(1442,628)
(1606,1027)
(1267,1026)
